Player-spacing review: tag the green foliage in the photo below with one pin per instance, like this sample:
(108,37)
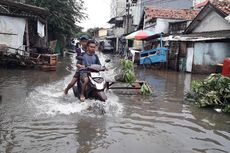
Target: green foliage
(145,89)
(227,108)
(213,91)
(128,71)
(64,15)
(79,34)
(130,77)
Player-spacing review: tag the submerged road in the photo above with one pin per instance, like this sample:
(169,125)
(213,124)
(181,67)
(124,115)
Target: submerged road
(36,117)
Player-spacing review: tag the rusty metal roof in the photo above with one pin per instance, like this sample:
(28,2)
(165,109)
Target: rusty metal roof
(29,9)
(184,14)
(211,34)
(201,36)
(24,15)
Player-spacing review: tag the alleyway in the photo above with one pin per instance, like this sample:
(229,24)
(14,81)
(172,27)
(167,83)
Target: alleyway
(35,116)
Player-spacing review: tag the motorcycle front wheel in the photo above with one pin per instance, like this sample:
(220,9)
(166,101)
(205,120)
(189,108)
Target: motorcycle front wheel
(101,96)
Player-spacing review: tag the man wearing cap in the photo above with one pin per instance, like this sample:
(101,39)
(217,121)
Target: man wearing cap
(83,45)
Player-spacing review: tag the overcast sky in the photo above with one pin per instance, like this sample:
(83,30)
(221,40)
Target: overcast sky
(98,13)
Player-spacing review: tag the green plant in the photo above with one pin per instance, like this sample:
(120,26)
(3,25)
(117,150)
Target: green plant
(65,15)
(128,71)
(213,91)
(146,89)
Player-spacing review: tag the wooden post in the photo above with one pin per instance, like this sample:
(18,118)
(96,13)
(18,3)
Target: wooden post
(117,44)
(27,37)
(46,32)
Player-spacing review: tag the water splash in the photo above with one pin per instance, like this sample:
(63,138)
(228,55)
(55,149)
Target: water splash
(50,99)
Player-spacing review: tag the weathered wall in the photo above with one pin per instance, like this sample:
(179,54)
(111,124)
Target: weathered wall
(118,31)
(207,55)
(210,53)
(117,8)
(213,22)
(161,25)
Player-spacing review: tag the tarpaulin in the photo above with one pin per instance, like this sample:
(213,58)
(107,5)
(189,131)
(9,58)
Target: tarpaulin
(12,31)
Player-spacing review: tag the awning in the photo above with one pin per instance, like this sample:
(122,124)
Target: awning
(143,35)
(116,19)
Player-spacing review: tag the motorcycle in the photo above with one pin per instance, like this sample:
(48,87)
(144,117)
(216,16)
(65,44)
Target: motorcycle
(96,85)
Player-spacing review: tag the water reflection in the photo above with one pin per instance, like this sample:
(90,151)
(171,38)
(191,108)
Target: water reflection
(91,134)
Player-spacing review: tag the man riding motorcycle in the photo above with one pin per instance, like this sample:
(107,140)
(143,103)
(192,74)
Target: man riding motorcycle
(87,59)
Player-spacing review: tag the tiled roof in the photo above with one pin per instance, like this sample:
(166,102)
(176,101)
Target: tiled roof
(223,5)
(184,14)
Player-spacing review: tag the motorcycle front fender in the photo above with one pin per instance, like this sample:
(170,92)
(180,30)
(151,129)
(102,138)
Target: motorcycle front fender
(101,95)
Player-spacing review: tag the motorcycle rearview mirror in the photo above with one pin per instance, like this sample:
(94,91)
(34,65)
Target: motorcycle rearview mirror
(107,60)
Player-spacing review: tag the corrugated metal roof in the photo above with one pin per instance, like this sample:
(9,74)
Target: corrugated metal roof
(25,7)
(202,36)
(17,14)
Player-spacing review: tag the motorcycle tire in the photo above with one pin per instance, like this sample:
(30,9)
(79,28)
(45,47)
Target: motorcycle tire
(76,91)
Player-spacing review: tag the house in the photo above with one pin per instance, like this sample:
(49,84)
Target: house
(166,20)
(24,36)
(206,39)
(102,32)
(117,22)
(139,5)
(23,27)
(158,19)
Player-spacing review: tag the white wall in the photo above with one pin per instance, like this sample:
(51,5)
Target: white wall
(136,12)
(212,22)
(162,25)
(102,32)
(210,53)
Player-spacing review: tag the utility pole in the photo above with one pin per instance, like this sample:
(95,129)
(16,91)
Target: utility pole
(128,14)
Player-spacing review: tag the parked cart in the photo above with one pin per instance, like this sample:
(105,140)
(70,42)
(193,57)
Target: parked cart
(149,56)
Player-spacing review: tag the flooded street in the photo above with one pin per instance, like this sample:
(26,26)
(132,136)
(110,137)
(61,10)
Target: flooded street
(36,116)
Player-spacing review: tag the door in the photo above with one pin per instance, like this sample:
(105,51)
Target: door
(189,59)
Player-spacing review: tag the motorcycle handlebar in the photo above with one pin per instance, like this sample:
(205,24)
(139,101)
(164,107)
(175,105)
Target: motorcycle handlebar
(93,68)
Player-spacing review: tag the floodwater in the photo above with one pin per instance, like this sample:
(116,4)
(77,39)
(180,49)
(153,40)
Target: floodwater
(36,117)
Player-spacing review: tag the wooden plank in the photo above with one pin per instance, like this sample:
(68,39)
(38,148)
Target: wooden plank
(3,33)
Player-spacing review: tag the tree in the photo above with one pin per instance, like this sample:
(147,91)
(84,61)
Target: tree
(79,34)
(93,32)
(64,15)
